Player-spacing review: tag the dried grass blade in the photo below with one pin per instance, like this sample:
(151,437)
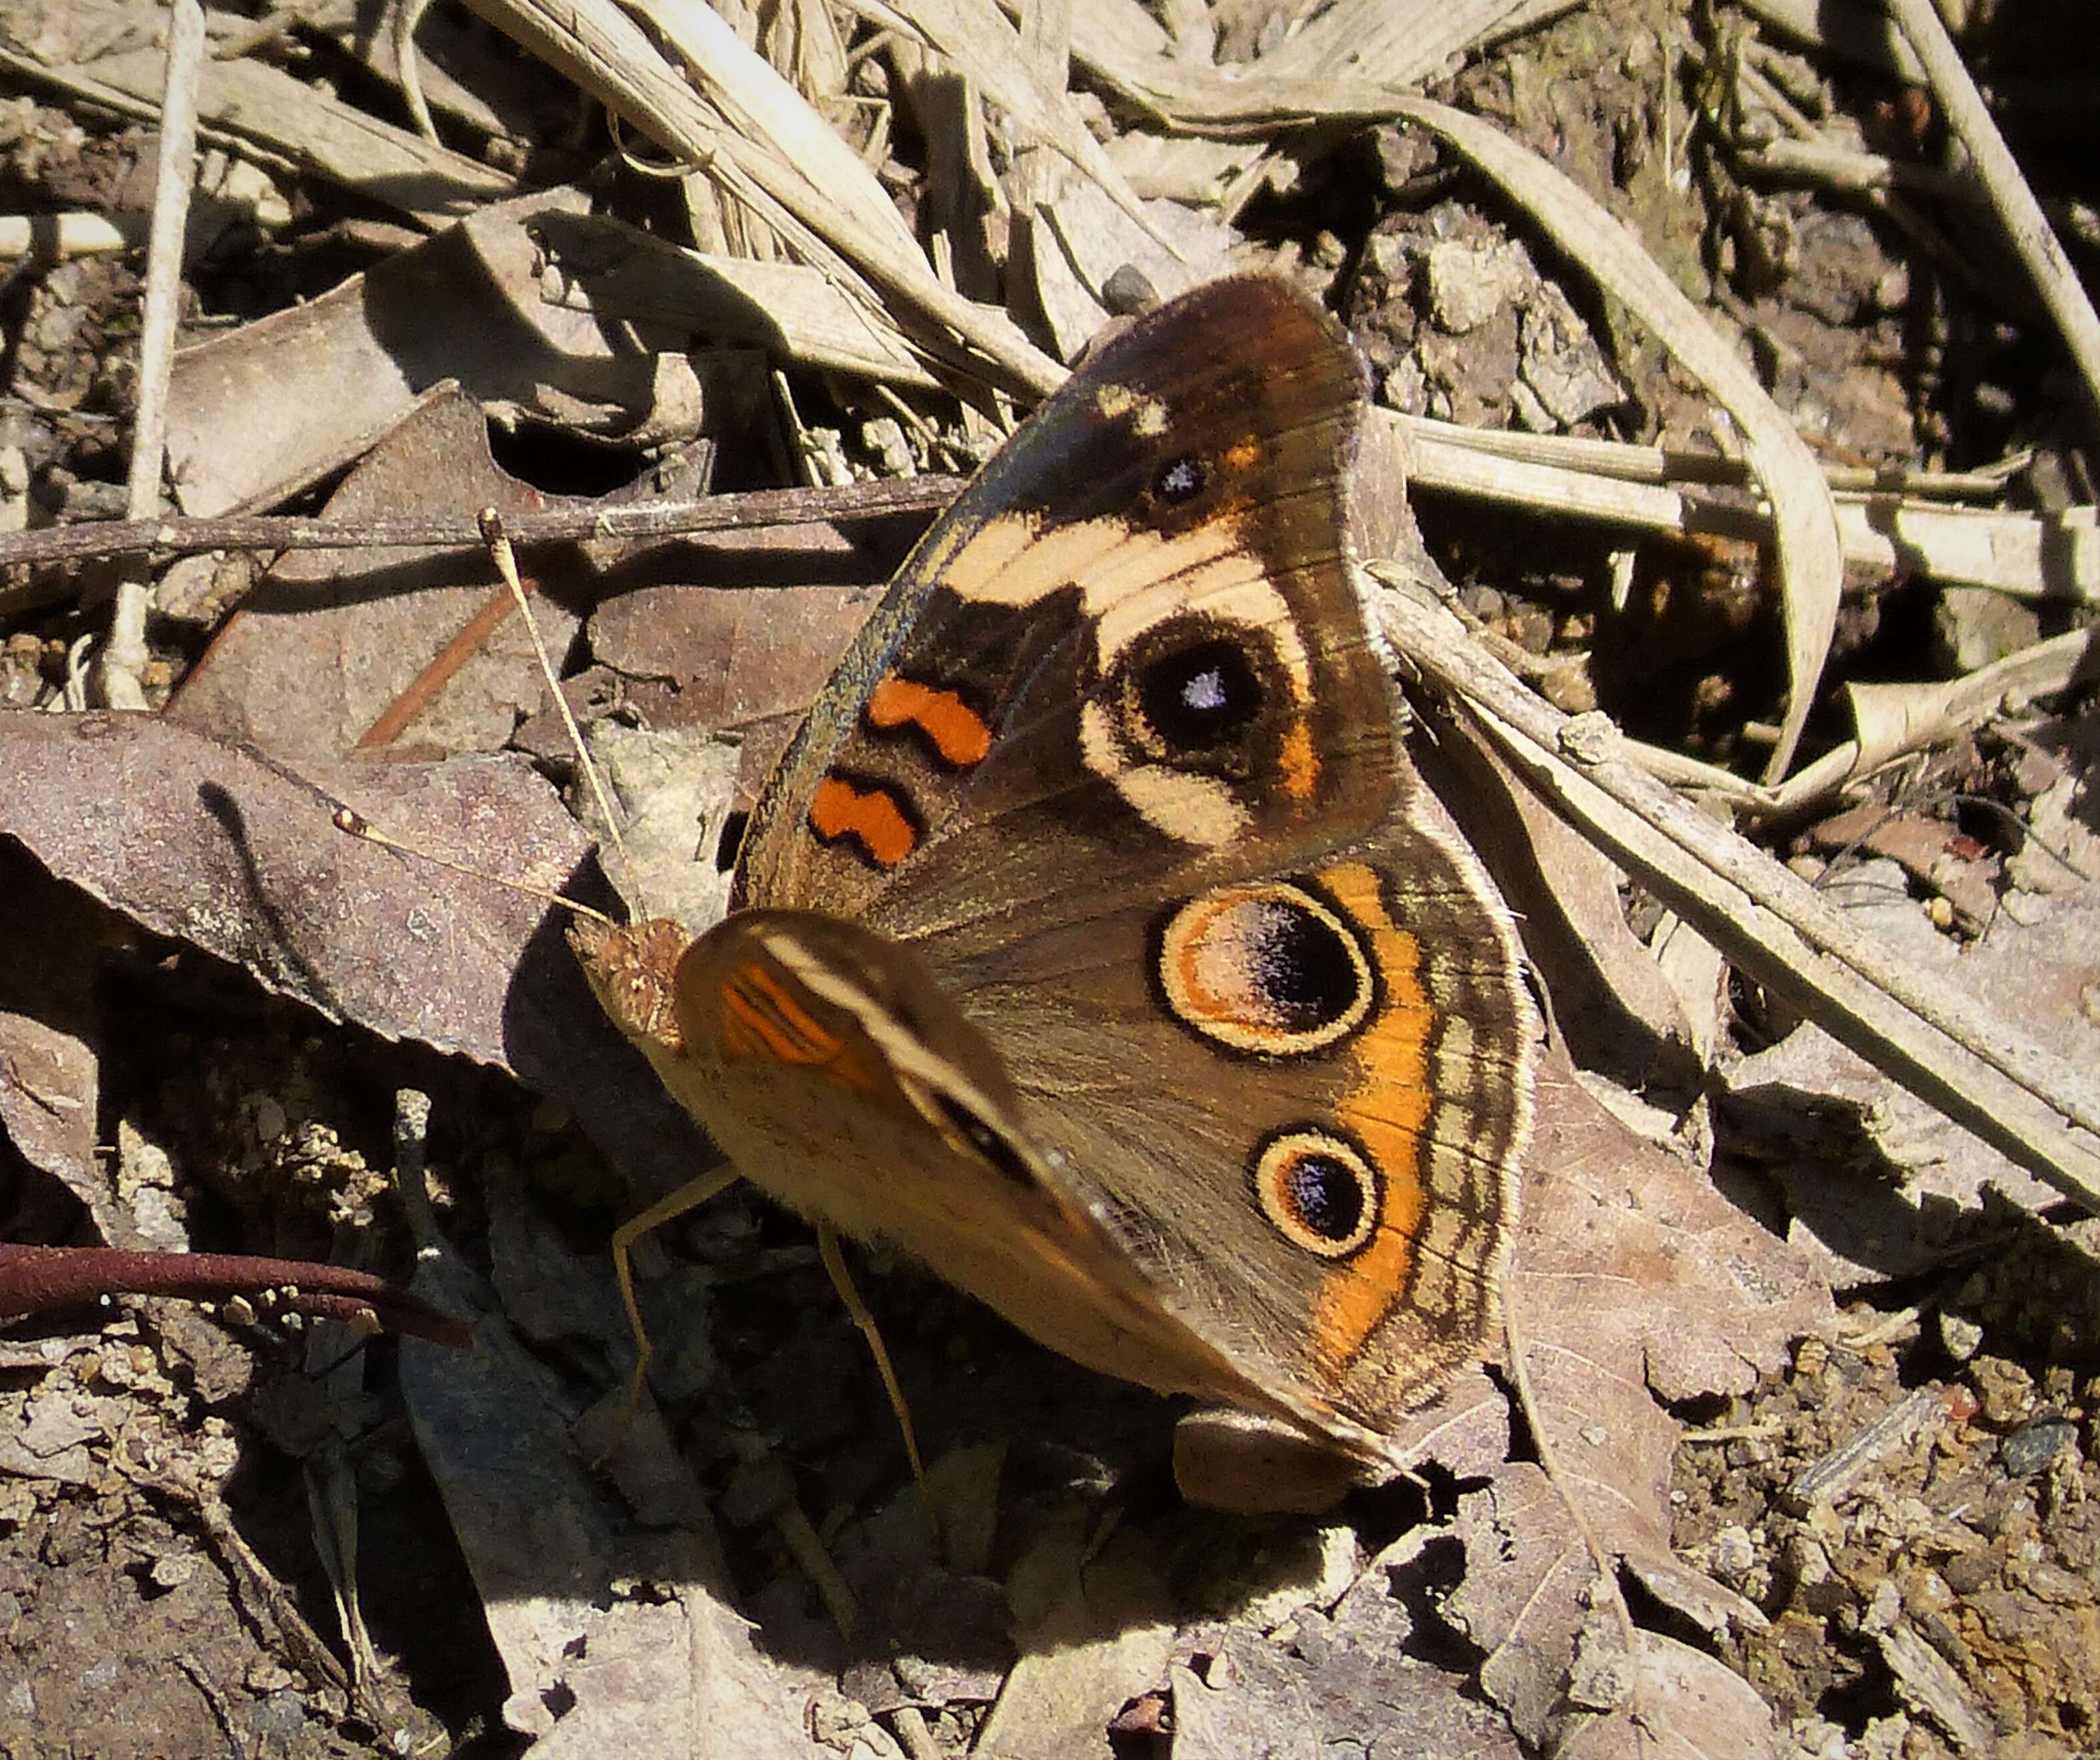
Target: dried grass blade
(1807,560)
(831,224)
(991,54)
(1991,1078)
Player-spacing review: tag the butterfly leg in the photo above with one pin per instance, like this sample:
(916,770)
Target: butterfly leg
(689,1196)
(835,1263)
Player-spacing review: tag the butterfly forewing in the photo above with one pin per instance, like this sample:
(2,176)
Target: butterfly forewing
(1132,648)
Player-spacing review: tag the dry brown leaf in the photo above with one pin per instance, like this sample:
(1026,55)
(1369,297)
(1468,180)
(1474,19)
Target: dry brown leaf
(645,1671)
(718,659)
(1609,997)
(1338,1691)
(1100,1638)
(51,1039)
(1679,1704)
(1932,851)
(796,314)
(221,847)
(216,846)
(332,639)
(1632,1283)
(272,407)
(1807,1101)
(723,657)
(674,790)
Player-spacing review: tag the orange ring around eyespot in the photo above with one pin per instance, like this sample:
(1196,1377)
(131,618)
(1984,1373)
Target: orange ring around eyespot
(1386,1112)
(1284,1199)
(1214,960)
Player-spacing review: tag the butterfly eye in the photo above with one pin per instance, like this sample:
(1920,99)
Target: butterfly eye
(1319,1191)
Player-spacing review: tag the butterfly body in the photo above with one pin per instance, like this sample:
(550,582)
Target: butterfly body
(1095,943)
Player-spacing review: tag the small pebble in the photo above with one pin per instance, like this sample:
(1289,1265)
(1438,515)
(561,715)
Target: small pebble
(1810,1563)
(281,1719)
(2004,1387)
(1731,1554)
(172,1570)
(2052,1582)
(2034,1446)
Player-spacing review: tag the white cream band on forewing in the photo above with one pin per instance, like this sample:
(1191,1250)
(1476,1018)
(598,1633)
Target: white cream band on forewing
(1148,414)
(1011,560)
(1234,591)
(1177,803)
(1129,580)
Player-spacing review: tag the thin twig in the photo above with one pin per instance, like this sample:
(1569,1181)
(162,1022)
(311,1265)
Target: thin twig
(2025,225)
(124,657)
(61,237)
(631,520)
(38,1279)
(407,14)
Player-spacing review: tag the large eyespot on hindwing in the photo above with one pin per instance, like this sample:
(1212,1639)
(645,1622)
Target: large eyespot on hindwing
(1265,967)
(1318,1190)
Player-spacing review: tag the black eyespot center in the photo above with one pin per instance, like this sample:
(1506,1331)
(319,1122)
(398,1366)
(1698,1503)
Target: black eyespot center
(1181,478)
(1201,696)
(1326,1194)
(1305,968)
(1319,1190)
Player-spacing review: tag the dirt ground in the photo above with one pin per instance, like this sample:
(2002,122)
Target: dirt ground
(1949,1605)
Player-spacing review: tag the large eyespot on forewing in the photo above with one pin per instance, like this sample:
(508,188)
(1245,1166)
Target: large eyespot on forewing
(1202,716)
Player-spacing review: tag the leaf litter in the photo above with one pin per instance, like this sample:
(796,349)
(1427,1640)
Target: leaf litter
(1695,1508)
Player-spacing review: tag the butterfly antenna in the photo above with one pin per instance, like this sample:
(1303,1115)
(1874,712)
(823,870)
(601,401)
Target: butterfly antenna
(506,558)
(352,823)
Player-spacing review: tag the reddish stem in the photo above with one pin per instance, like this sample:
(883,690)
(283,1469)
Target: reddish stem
(34,1279)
